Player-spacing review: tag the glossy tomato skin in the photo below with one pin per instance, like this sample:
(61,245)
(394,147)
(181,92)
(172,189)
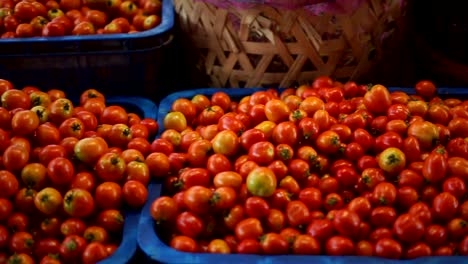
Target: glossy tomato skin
(435,168)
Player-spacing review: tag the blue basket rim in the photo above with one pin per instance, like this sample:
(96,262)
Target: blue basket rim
(167,23)
(157,250)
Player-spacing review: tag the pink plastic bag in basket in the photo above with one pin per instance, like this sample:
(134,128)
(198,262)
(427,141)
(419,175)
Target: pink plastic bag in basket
(317,7)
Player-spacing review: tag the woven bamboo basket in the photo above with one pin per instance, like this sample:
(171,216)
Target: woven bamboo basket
(267,46)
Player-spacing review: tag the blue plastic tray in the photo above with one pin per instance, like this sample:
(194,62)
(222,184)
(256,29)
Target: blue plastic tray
(119,64)
(128,246)
(156,250)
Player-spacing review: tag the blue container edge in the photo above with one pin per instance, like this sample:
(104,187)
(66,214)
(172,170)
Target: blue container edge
(128,246)
(167,23)
(157,250)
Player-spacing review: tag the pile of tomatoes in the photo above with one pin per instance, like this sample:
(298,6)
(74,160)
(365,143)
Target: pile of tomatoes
(330,168)
(50,18)
(67,172)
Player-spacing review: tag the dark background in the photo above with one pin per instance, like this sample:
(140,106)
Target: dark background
(433,45)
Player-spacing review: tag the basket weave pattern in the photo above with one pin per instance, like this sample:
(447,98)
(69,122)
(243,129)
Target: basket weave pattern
(266,46)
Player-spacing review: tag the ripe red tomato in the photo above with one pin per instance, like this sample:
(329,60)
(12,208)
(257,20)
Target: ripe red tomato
(339,246)
(15,158)
(248,228)
(328,142)
(184,244)
(425,89)
(377,100)
(445,206)
(78,203)
(388,248)
(134,193)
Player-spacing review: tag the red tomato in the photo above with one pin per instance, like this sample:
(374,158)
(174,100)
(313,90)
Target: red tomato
(328,142)
(249,228)
(377,100)
(60,171)
(445,206)
(425,89)
(78,203)
(435,168)
(408,228)
(15,158)
(388,248)
(339,246)
(184,244)
(274,244)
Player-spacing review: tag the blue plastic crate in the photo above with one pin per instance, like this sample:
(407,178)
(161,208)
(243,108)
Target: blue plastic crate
(158,251)
(128,246)
(119,64)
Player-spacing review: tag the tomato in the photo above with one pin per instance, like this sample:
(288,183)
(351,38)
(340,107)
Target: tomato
(78,203)
(346,222)
(435,235)
(388,140)
(60,171)
(225,142)
(383,216)
(15,99)
(445,206)
(425,89)
(361,206)
(22,258)
(407,196)
(60,109)
(385,193)
(94,252)
(248,228)
(306,245)
(285,133)
(48,200)
(408,228)
(24,200)
(134,193)
(21,242)
(426,133)
(89,150)
(189,224)
(262,153)
(72,226)
(435,168)
(9,185)
(328,142)
(15,158)
(261,181)
(198,199)
(72,247)
(88,119)
(339,246)
(392,160)
(47,134)
(184,243)
(24,122)
(274,244)
(112,220)
(347,177)
(388,248)
(95,234)
(443,251)
(377,100)
(164,209)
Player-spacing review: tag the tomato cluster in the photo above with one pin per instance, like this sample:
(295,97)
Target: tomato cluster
(66,173)
(49,18)
(330,168)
